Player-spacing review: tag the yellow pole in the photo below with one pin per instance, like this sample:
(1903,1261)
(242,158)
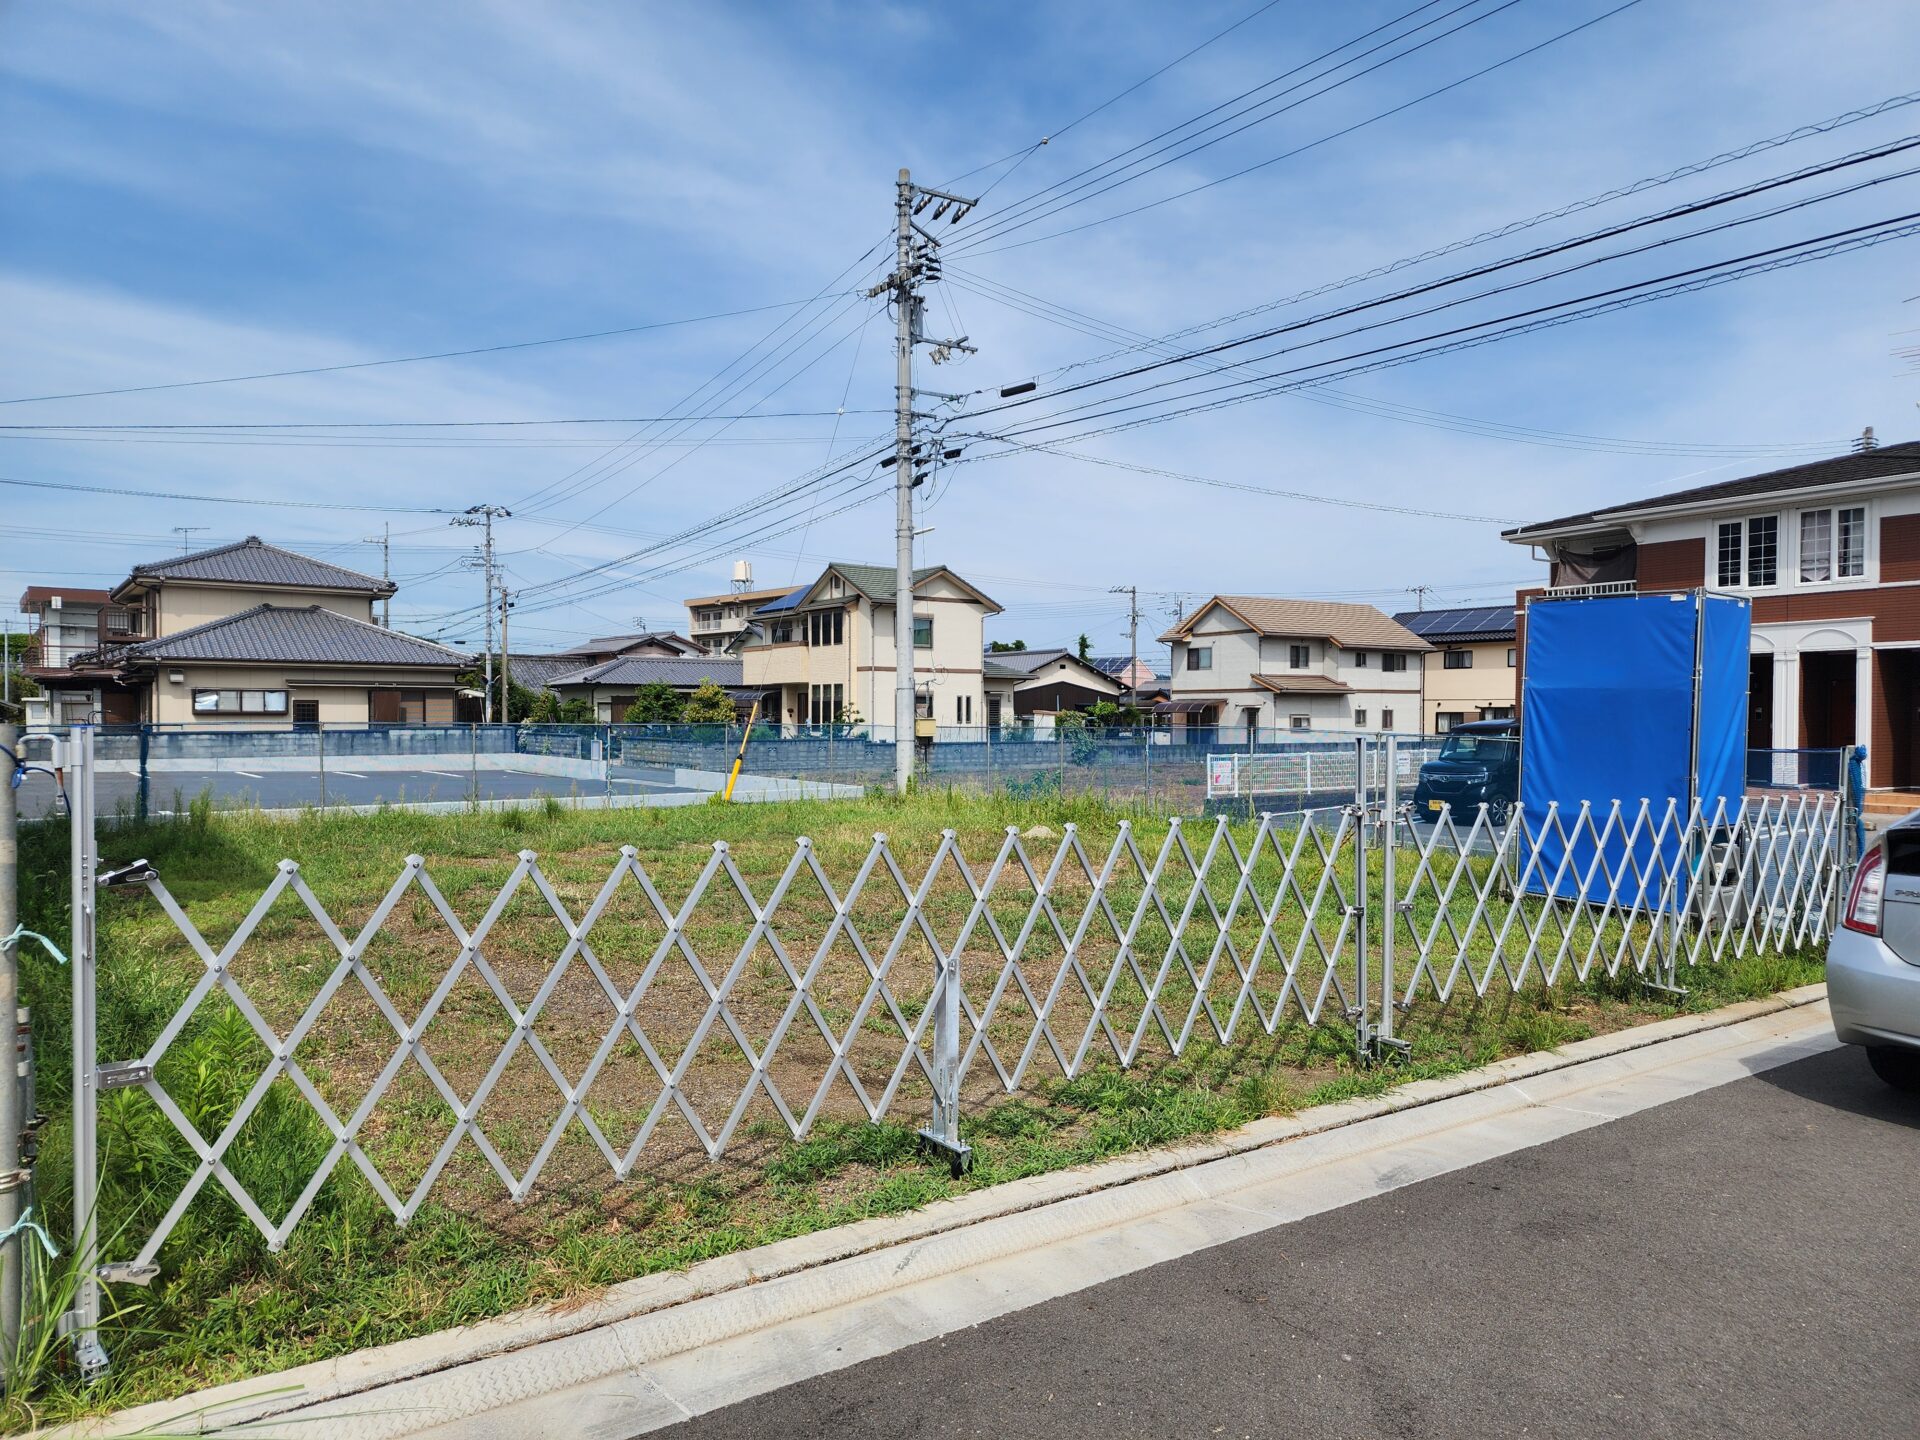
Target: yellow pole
(741,758)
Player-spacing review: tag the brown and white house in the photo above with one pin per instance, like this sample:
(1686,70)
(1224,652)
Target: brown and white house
(1829,554)
(1251,663)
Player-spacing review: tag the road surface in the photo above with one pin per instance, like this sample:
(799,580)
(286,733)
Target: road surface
(1742,1262)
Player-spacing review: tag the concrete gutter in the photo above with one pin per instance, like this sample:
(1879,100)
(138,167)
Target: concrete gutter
(465,1373)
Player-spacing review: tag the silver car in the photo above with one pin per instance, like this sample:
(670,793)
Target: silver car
(1873,964)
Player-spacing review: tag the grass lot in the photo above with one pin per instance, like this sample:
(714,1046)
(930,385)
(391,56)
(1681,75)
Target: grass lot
(226,1307)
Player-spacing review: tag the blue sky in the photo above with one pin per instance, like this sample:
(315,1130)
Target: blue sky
(202,190)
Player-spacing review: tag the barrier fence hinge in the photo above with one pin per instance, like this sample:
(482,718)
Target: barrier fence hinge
(128,1272)
(11,1180)
(137,873)
(122,1074)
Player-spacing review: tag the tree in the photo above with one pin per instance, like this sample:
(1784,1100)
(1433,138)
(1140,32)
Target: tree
(1085,647)
(709,705)
(657,703)
(577,711)
(545,709)
(1007,647)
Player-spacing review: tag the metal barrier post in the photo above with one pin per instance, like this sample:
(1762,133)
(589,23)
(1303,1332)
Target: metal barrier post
(1362,1021)
(942,1135)
(320,752)
(143,790)
(13,1176)
(1383,1038)
(82,1322)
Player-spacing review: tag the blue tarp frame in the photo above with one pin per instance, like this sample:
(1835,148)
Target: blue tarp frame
(1629,698)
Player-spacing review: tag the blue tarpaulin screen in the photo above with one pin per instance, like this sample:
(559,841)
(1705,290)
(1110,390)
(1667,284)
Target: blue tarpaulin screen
(1607,714)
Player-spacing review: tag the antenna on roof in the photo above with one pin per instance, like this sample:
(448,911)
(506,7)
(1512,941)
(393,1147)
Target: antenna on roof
(185,532)
(1866,442)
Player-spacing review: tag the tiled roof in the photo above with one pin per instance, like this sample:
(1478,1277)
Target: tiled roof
(254,562)
(1028,661)
(292,635)
(1462,625)
(1352,627)
(652,669)
(1303,684)
(1879,464)
(992,668)
(538,672)
(610,645)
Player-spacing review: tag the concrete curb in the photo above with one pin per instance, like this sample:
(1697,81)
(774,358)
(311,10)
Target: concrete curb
(648,1300)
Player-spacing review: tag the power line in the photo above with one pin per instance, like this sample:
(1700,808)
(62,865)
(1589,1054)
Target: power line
(221,499)
(1300,149)
(406,359)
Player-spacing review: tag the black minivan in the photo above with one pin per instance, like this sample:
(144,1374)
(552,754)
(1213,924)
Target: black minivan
(1479,762)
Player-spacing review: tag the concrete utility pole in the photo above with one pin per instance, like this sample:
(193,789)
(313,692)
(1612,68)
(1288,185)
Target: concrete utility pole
(1419,593)
(914,263)
(1132,592)
(484,515)
(506,674)
(385,541)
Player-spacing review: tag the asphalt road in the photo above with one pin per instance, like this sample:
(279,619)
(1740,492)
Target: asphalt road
(276,790)
(1742,1262)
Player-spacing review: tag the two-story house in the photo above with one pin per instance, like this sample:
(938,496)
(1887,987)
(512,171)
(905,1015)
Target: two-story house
(67,623)
(1829,553)
(1470,674)
(252,634)
(824,652)
(1248,663)
(717,622)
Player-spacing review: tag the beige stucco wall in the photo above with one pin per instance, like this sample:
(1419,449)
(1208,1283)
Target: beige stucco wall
(1488,683)
(342,695)
(182,606)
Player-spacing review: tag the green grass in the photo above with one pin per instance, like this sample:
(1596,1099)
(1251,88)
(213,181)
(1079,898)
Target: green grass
(227,1307)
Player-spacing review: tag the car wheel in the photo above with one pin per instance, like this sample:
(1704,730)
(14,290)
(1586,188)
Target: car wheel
(1897,1065)
(1499,808)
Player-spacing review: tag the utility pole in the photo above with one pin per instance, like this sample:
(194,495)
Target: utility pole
(506,674)
(1132,592)
(385,541)
(915,262)
(1419,593)
(484,516)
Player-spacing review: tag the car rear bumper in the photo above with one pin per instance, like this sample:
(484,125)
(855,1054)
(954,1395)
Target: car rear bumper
(1874,994)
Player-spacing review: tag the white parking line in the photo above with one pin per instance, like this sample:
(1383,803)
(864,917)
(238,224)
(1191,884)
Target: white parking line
(250,774)
(444,774)
(351,775)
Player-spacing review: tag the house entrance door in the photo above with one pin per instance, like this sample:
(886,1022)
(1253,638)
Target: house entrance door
(1826,699)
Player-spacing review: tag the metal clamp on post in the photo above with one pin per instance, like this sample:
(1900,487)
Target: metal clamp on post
(137,873)
(123,1074)
(128,1272)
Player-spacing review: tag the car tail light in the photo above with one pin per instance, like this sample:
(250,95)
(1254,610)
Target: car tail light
(1863,901)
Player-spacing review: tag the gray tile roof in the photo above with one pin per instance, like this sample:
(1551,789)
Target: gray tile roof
(254,562)
(651,669)
(1461,625)
(1882,463)
(291,635)
(611,645)
(538,672)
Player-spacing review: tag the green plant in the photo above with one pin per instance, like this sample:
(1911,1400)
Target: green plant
(656,703)
(709,705)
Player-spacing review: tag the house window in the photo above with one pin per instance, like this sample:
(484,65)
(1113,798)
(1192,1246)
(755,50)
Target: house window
(783,632)
(1299,722)
(1199,657)
(1297,657)
(1816,546)
(1360,662)
(1727,553)
(239,702)
(1513,657)
(1853,542)
(1457,660)
(923,632)
(1392,662)
(1359,719)
(825,703)
(826,627)
(963,709)
(1386,719)
(1496,712)
(1763,550)
(1447,719)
